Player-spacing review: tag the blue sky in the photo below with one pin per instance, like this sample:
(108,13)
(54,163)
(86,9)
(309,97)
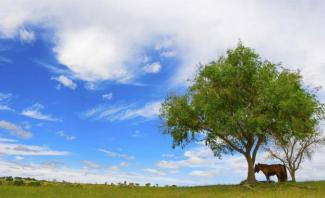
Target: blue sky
(81,84)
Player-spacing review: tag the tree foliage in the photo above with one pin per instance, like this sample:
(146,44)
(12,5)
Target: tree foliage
(237,102)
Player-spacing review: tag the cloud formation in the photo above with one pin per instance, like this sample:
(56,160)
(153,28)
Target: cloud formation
(35,112)
(4,100)
(152,68)
(27,150)
(116,155)
(112,46)
(26,36)
(15,130)
(124,112)
(65,81)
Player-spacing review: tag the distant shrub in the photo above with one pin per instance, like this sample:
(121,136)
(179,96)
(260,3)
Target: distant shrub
(78,185)
(30,179)
(18,182)
(34,183)
(9,178)
(148,184)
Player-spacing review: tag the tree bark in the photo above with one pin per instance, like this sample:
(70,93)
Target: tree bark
(250,170)
(293,175)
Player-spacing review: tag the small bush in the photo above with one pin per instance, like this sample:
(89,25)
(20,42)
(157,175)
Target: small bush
(18,182)
(9,178)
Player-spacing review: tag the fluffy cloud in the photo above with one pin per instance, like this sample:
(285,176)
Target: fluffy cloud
(35,112)
(117,155)
(26,36)
(124,112)
(65,81)
(15,130)
(152,68)
(109,47)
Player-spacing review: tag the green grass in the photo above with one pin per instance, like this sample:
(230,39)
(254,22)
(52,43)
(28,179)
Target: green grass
(59,190)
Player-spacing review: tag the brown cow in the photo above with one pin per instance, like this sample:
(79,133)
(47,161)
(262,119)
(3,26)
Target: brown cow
(273,169)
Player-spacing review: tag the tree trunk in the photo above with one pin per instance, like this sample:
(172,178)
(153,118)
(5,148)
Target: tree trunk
(293,175)
(250,170)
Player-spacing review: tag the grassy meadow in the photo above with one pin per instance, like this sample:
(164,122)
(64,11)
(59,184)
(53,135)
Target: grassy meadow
(61,190)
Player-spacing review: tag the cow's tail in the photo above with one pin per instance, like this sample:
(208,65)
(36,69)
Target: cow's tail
(285,176)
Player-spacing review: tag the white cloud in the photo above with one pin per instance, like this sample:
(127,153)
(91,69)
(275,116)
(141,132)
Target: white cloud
(109,47)
(35,112)
(65,81)
(149,110)
(15,130)
(124,112)
(5,108)
(65,136)
(153,171)
(7,140)
(117,155)
(107,96)
(168,54)
(197,157)
(90,165)
(152,68)
(26,36)
(4,100)
(19,158)
(28,150)
(203,173)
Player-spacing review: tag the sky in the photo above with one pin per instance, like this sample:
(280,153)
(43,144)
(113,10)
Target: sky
(81,83)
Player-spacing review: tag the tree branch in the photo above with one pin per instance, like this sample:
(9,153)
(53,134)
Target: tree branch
(231,144)
(258,144)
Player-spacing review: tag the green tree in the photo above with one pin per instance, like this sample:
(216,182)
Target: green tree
(237,102)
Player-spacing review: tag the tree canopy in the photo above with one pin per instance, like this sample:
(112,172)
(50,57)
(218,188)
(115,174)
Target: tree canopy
(237,102)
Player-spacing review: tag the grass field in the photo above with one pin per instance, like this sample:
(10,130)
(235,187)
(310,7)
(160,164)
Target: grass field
(59,190)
